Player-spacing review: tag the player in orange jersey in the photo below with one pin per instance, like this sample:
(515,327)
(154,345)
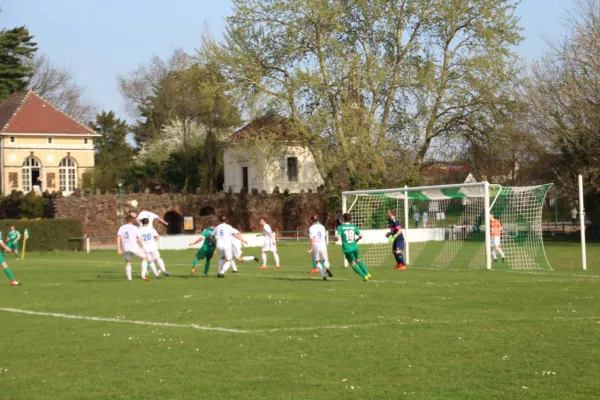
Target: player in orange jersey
(496,233)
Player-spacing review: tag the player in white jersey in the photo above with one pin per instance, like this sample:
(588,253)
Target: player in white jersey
(268,245)
(224,235)
(129,243)
(149,238)
(318,245)
(144,214)
(237,251)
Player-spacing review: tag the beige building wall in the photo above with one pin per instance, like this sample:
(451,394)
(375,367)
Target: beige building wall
(267,174)
(49,151)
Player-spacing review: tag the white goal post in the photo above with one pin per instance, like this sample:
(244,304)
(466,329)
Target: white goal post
(447,226)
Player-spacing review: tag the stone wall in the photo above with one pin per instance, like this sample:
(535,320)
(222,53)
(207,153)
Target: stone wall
(100,213)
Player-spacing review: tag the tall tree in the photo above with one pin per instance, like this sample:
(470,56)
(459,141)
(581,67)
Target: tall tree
(371,76)
(564,104)
(16,46)
(114,156)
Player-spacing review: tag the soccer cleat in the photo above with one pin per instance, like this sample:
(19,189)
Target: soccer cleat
(204,275)
(220,276)
(235,272)
(166,274)
(369,276)
(324,278)
(255,259)
(14,283)
(397,266)
(146,279)
(263,267)
(277,267)
(402,268)
(503,260)
(193,271)
(314,271)
(157,276)
(329,273)
(365,278)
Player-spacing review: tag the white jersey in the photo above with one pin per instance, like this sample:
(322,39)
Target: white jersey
(148,233)
(317,232)
(147,214)
(224,235)
(128,234)
(237,243)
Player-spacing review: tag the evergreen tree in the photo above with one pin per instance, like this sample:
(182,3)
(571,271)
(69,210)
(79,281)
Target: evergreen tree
(16,47)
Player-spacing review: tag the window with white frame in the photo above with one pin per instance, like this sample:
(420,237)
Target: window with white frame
(67,174)
(31,167)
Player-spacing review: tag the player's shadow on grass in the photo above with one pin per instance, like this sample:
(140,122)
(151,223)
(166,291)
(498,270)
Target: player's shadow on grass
(103,278)
(296,278)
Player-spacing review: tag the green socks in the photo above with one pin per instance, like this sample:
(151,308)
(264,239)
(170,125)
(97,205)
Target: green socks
(363,267)
(195,263)
(206,267)
(358,270)
(9,274)
(314,263)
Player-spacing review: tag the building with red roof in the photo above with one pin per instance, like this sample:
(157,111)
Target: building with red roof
(41,147)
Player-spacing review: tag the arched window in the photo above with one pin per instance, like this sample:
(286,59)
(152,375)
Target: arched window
(67,175)
(31,171)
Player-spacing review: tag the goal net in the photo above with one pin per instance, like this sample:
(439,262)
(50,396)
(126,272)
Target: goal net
(448,226)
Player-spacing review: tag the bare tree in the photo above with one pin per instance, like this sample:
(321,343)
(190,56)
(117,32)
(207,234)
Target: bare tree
(58,86)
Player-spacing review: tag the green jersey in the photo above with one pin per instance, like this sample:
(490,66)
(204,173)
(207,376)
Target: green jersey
(12,236)
(207,244)
(348,233)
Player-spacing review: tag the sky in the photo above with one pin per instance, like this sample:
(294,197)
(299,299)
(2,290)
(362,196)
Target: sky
(99,40)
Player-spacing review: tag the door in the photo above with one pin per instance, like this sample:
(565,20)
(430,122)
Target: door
(244,179)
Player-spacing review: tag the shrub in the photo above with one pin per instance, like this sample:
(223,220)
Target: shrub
(47,234)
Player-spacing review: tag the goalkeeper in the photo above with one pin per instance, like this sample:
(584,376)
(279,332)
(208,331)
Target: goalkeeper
(396,237)
(205,252)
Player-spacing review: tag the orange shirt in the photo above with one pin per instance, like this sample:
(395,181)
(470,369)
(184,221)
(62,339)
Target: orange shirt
(496,227)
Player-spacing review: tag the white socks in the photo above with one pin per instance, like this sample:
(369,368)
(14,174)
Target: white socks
(221,262)
(264,258)
(501,253)
(161,264)
(248,258)
(153,268)
(320,268)
(326,263)
(225,267)
(144,265)
(276,257)
(233,266)
(128,271)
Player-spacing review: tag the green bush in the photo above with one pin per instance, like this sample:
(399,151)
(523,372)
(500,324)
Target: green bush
(32,206)
(46,234)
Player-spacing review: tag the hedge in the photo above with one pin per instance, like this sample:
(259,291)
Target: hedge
(46,234)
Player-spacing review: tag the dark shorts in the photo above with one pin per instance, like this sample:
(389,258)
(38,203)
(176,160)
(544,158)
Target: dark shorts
(205,253)
(351,256)
(398,243)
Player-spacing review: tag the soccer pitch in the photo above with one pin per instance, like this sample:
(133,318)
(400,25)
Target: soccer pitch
(77,329)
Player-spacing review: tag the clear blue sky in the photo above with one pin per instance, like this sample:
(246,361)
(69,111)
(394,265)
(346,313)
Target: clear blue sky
(97,40)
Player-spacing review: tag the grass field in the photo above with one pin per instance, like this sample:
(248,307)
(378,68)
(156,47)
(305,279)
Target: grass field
(416,334)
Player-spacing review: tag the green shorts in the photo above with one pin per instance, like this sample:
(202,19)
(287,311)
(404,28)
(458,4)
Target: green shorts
(205,253)
(351,256)
(13,245)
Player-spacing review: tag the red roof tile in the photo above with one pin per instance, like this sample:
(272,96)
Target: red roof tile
(29,113)
(265,127)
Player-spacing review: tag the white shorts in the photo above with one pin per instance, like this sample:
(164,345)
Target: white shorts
(495,241)
(136,251)
(319,252)
(226,253)
(268,245)
(237,251)
(152,255)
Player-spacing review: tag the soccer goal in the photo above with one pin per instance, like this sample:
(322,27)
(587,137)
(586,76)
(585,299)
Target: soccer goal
(448,226)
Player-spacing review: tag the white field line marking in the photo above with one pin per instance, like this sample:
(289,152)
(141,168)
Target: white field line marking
(297,329)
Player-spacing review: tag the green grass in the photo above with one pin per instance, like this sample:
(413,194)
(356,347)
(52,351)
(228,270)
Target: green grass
(416,334)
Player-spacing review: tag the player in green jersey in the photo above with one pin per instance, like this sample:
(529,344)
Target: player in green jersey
(350,235)
(4,265)
(206,251)
(12,240)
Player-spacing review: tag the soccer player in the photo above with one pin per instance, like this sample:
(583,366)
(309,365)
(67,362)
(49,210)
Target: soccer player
(13,236)
(416,217)
(268,245)
(149,238)
(151,217)
(129,243)
(318,247)
(425,219)
(206,251)
(350,235)
(5,266)
(496,232)
(237,251)
(397,238)
(223,233)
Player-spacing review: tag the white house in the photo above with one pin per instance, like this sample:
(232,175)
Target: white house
(252,162)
